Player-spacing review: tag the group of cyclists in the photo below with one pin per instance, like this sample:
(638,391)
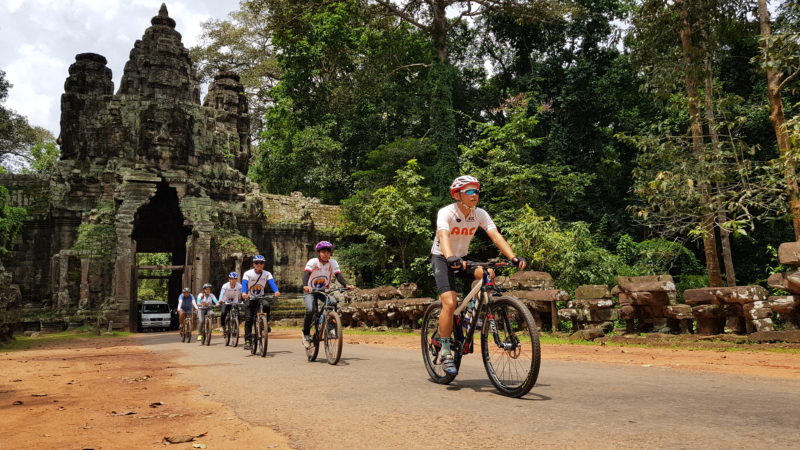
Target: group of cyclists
(456,225)
(318,274)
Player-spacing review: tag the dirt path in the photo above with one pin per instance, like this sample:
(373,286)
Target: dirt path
(81,394)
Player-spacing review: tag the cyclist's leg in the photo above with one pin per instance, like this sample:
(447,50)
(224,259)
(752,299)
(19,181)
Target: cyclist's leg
(310,302)
(224,314)
(181,317)
(250,310)
(200,322)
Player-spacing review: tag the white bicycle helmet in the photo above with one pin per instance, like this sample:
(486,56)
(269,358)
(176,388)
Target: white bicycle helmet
(462,181)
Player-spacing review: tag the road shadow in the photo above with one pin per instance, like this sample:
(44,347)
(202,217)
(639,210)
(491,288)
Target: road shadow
(481,385)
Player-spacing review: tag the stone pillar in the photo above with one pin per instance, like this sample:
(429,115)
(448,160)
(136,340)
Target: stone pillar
(122,269)
(84,301)
(63,290)
(202,254)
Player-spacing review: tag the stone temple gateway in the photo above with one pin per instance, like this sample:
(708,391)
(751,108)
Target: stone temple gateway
(150,169)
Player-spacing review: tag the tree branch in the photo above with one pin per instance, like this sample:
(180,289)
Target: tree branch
(788,79)
(401,13)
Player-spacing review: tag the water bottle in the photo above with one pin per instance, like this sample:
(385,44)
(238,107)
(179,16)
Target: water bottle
(468,313)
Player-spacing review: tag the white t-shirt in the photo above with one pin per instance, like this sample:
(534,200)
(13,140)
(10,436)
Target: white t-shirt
(462,228)
(321,274)
(230,294)
(255,285)
(209,299)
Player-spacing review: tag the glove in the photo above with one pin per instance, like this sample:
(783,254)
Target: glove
(517,260)
(455,262)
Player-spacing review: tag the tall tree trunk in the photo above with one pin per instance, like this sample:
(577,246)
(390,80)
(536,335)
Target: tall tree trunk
(442,117)
(690,67)
(778,119)
(711,120)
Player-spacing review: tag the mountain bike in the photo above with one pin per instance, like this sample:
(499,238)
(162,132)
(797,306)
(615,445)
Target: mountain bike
(327,326)
(207,325)
(509,339)
(186,328)
(261,326)
(230,328)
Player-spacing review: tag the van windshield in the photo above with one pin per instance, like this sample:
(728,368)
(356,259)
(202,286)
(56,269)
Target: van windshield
(158,308)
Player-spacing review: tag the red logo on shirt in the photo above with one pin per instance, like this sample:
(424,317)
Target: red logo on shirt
(463,231)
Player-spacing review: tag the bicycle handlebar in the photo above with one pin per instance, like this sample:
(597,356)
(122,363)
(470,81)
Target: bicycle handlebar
(491,264)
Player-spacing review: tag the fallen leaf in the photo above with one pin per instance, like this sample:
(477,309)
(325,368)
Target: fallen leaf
(156,404)
(38,395)
(198,445)
(18,402)
(126,413)
(16,381)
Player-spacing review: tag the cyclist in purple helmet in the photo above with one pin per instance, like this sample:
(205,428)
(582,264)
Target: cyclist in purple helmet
(230,293)
(318,274)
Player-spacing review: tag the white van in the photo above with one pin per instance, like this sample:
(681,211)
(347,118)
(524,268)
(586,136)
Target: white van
(154,314)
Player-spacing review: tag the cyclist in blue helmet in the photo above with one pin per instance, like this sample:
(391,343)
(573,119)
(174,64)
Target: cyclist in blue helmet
(230,293)
(204,300)
(253,283)
(318,274)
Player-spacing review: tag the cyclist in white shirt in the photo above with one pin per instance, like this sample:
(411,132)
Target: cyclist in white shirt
(230,293)
(455,227)
(204,300)
(318,274)
(253,283)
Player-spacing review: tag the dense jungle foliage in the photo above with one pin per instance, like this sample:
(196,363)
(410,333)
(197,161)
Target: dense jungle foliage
(612,137)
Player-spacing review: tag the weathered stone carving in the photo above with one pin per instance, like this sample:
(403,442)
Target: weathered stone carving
(736,309)
(649,303)
(593,307)
(163,172)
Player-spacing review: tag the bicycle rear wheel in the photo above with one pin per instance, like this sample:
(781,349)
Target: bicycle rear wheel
(188,334)
(313,349)
(431,348)
(235,331)
(264,341)
(332,334)
(511,357)
(227,330)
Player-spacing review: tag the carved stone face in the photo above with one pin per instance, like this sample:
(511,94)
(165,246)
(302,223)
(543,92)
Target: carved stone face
(165,135)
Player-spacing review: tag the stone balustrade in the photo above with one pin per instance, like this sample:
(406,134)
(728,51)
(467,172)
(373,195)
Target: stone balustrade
(648,303)
(735,309)
(535,289)
(787,306)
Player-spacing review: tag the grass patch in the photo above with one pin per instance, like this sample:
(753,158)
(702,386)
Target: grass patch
(25,342)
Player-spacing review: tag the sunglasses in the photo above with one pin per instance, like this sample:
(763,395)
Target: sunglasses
(258,262)
(471,191)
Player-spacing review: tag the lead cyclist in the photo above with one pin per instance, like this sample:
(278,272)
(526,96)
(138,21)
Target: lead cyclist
(455,227)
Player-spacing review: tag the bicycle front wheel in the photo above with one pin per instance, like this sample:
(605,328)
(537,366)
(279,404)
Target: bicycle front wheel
(256,337)
(313,350)
(432,349)
(262,346)
(207,331)
(235,331)
(510,347)
(188,326)
(332,334)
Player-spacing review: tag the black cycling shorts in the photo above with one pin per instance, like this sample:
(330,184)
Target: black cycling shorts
(445,276)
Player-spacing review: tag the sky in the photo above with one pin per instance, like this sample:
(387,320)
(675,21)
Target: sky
(40,38)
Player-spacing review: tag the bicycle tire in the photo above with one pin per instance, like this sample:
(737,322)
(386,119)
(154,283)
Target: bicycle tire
(227,330)
(512,371)
(264,325)
(430,351)
(313,350)
(332,334)
(235,331)
(255,338)
(207,331)
(188,334)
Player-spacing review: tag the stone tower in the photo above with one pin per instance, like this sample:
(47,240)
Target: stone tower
(151,169)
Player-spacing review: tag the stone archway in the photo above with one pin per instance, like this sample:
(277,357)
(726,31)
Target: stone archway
(158,227)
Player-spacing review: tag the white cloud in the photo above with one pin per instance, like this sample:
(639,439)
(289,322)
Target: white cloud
(40,39)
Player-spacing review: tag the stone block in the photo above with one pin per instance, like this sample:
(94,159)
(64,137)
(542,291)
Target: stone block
(784,304)
(592,291)
(654,283)
(603,315)
(775,336)
(789,253)
(678,312)
(627,312)
(568,314)
(545,295)
(741,294)
(699,296)
(788,281)
(593,303)
(707,311)
(530,280)
(763,324)
(758,310)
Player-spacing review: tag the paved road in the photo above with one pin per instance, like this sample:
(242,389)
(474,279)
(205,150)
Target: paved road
(380,397)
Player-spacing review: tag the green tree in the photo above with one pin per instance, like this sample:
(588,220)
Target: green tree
(394,226)
(11,221)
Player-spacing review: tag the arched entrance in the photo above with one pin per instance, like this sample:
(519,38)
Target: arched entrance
(158,227)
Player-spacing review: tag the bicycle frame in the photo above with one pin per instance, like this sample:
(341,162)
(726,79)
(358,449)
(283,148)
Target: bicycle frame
(329,303)
(483,305)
